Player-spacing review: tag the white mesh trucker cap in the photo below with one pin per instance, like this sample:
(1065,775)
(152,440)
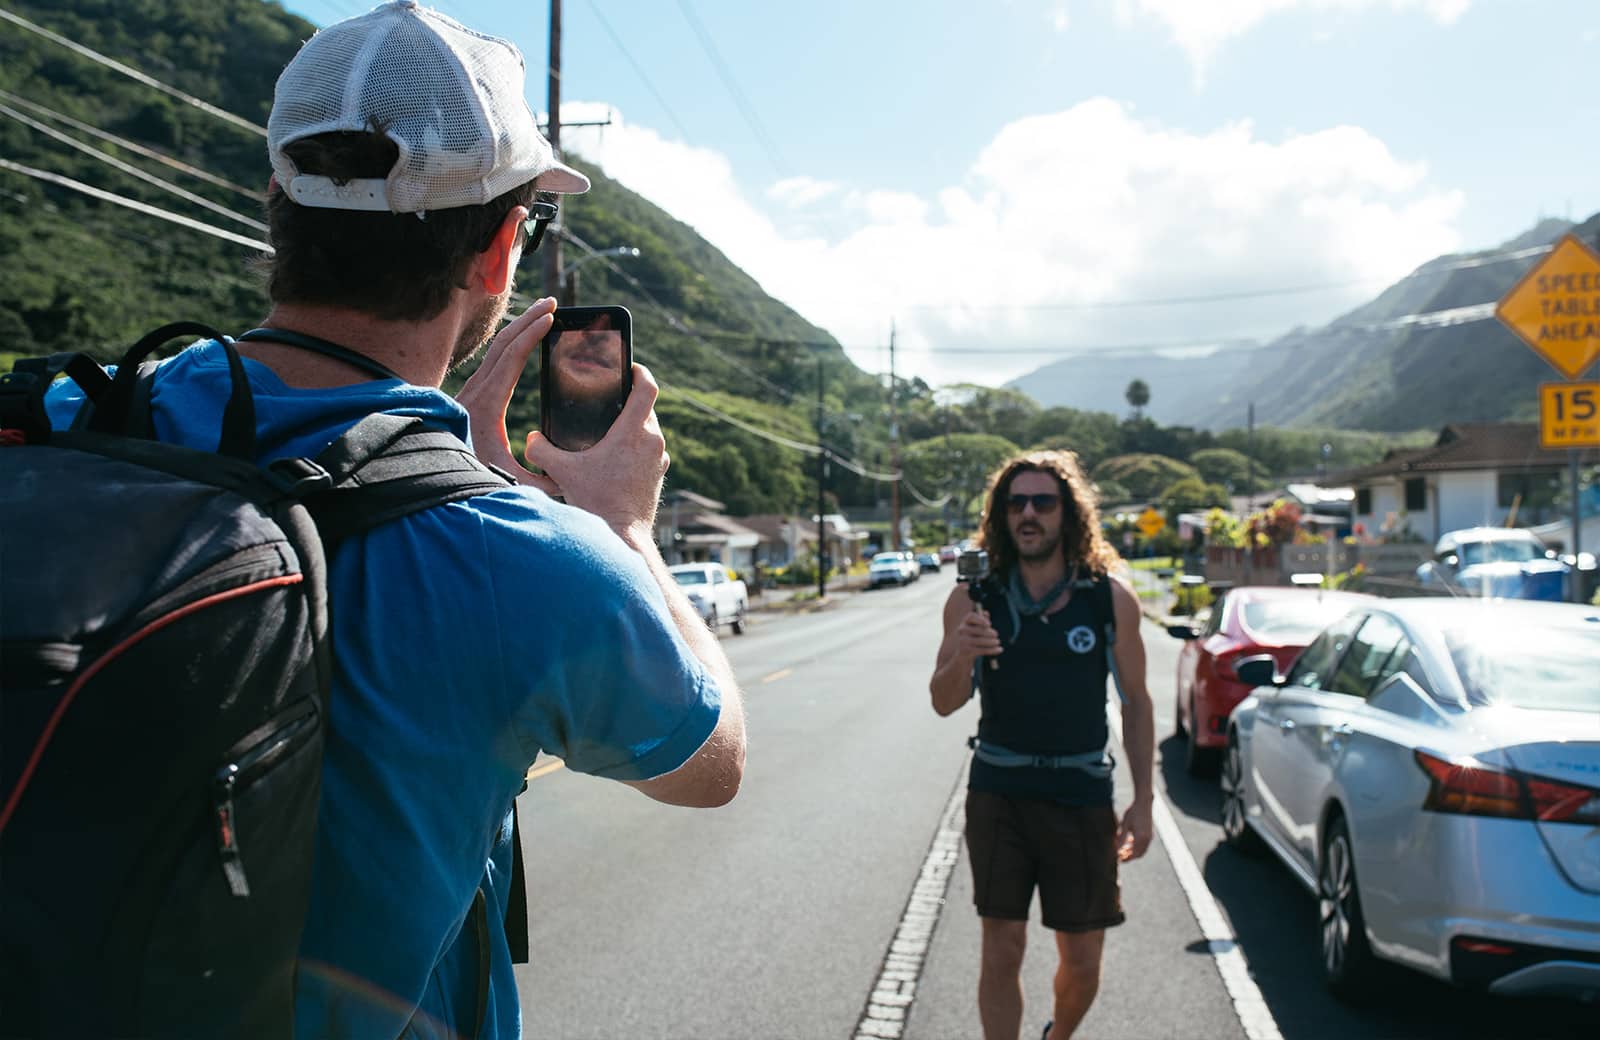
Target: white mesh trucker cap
(449,97)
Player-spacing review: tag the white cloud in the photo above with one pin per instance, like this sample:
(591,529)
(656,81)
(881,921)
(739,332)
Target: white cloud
(1201,27)
(1059,19)
(1089,206)
(801,191)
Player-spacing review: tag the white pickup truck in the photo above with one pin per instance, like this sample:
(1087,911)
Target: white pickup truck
(720,598)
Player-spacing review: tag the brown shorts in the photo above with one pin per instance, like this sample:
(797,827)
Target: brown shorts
(1068,851)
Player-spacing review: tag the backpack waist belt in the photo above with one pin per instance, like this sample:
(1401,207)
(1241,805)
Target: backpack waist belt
(1097,764)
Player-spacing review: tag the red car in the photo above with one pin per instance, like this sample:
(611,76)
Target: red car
(1245,622)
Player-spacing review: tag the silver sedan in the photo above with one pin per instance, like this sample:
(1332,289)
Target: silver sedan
(1430,770)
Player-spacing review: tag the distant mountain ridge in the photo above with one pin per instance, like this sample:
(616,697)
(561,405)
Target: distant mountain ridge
(1359,371)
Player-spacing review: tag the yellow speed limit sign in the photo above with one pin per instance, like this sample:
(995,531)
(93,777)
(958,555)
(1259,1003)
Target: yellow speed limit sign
(1151,523)
(1569,415)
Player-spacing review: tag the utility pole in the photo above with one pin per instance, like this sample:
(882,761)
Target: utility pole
(950,468)
(1250,458)
(894,450)
(552,242)
(822,483)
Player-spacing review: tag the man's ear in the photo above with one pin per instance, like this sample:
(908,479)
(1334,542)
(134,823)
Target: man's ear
(497,265)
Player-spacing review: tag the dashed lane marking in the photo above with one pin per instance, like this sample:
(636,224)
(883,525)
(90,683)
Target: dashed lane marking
(1248,1004)
(782,673)
(545,769)
(889,1004)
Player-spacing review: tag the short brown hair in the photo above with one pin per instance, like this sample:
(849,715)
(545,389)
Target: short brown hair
(1082,541)
(393,266)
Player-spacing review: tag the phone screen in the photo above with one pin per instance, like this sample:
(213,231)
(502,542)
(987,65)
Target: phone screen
(586,368)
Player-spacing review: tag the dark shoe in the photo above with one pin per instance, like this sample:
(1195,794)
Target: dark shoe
(1046,1034)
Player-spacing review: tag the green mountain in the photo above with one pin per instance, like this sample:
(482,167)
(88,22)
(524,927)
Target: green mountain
(78,272)
(1370,369)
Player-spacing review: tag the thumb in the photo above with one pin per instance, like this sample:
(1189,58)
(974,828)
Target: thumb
(542,453)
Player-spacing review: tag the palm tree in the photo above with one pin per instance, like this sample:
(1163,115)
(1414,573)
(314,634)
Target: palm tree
(1138,395)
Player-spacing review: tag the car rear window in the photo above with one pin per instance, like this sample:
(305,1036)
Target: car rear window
(1552,668)
(1291,622)
(690,577)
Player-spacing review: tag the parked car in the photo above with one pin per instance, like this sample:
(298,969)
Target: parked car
(928,563)
(949,553)
(888,568)
(1430,769)
(1246,622)
(1501,562)
(718,596)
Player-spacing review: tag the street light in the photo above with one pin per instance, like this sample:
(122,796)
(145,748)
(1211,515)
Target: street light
(629,251)
(569,279)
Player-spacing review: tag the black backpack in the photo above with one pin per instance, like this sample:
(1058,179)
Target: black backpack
(164,671)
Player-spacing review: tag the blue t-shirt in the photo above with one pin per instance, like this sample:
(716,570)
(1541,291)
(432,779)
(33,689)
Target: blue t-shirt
(467,639)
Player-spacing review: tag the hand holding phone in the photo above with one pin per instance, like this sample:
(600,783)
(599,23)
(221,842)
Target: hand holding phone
(585,374)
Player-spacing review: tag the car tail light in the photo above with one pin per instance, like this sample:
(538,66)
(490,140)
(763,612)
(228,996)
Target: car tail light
(1471,788)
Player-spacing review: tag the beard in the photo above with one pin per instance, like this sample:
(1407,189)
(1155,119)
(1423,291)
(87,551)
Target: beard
(477,331)
(1042,550)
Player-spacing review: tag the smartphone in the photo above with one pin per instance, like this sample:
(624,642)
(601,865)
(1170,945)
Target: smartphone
(585,374)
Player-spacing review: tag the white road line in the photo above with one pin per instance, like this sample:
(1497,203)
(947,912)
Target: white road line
(1248,1004)
(889,1004)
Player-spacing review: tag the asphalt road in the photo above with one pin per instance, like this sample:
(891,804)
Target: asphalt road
(773,917)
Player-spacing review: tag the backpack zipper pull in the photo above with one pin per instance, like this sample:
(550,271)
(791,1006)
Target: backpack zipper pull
(227,834)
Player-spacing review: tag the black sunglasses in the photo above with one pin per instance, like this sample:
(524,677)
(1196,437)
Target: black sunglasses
(540,216)
(1042,504)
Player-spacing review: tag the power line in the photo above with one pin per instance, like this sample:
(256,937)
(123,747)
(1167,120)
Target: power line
(728,81)
(132,146)
(1245,294)
(133,204)
(131,170)
(606,25)
(132,73)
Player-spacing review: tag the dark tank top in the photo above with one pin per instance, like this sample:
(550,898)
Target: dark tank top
(1045,696)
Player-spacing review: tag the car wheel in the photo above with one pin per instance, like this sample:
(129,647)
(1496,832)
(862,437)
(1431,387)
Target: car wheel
(1197,761)
(712,620)
(1349,967)
(1236,829)
(738,621)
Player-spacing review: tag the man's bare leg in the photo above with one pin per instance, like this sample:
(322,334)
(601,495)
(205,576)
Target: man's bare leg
(1000,978)
(1077,979)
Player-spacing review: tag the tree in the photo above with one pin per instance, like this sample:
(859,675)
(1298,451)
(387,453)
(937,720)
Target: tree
(1222,466)
(959,464)
(1138,395)
(1192,494)
(1145,476)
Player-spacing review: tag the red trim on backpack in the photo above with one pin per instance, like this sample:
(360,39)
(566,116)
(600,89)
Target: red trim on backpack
(12,438)
(105,659)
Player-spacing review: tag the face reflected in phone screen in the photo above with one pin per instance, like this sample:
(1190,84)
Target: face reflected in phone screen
(586,384)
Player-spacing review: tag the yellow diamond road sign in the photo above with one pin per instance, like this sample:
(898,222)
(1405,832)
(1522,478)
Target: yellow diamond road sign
(1555,308)
(1151,523)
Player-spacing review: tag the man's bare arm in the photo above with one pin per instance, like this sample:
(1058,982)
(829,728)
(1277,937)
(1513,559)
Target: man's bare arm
(711,776)
(1138,721)
(967,635)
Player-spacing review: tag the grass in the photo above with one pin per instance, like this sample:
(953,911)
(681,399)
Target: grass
(1151,563)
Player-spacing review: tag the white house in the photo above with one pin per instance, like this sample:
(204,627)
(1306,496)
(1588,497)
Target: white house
(1474,474)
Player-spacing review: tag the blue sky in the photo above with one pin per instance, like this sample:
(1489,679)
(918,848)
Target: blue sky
(1002,179)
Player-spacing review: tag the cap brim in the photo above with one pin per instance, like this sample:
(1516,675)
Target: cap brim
(563,180)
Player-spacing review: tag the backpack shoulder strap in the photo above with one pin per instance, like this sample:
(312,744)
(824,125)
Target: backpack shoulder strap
(386,467)
(1105,615)
(383,468)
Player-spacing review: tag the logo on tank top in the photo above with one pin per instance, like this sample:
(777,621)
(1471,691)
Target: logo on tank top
(1081,639)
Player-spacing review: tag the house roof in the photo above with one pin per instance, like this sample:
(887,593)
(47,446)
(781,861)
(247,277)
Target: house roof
(1468,446)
